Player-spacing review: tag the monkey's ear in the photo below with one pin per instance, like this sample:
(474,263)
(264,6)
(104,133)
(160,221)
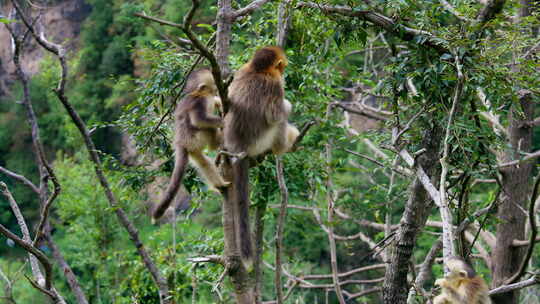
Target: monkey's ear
(463,273)
(202,86)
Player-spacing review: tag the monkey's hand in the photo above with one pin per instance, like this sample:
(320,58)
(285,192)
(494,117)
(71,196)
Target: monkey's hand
(287,106)
(234,156)
(440,282)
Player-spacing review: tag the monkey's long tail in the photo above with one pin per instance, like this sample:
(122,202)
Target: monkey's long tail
(180,163)
(241,176)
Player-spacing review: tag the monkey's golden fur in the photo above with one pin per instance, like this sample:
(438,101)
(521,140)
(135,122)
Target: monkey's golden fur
(257,122)
(196,128)
(461,285)
(257,119)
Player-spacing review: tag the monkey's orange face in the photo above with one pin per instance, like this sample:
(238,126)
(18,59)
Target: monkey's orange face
(282,63)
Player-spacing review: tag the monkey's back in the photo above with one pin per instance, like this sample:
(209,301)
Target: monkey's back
(253,96)
(187,135)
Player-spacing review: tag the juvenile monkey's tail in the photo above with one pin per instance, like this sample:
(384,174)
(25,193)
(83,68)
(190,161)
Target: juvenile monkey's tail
(180,163)
(241,185)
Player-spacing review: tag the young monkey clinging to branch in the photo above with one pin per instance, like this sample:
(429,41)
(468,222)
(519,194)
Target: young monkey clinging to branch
(257,123)
(195,129)
(461,285)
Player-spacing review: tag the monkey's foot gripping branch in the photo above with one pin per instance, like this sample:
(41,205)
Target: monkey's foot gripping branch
(234,156)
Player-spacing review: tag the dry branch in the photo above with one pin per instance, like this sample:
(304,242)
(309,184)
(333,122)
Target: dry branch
(20,178)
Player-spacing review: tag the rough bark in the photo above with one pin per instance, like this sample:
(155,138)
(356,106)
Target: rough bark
(223,36)
(396,286)
(516,185)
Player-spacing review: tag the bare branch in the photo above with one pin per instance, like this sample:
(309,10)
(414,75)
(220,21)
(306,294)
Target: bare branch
(526,158)
(303,133)
(248,9)
(160,21)
(216,259)
(422,177)
(36,271)
(362,293)
(519,243)
(425,271)
(330,201)
(20,178)
(344,274)
(520,285)
(362,112)
(449,249)
(35,252)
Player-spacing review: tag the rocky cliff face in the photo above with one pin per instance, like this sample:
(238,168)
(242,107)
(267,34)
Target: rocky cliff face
(61,23)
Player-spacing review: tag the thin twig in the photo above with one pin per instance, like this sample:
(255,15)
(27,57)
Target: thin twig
(331,202)
(449,249)
(280,227)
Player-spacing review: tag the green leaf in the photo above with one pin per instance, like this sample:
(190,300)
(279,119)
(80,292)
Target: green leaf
(446,56)
(208,27)
(7,21)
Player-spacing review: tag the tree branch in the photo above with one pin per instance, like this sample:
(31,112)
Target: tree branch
(330,201)
(520,285)
(449,249)
(248,9)
(401,31)
(20,178)
(36,253)
(526,158)
(363,112)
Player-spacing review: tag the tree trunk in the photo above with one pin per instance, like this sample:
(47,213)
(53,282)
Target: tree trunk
(239,275)
(506,259)
(516,184)
(396,286)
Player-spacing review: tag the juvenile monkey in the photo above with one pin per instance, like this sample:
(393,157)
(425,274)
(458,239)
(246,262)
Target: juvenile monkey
(196,127)
(257,122)
(461,285)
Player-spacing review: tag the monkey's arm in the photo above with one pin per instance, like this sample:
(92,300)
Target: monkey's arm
(201,119)
(278,110)
(287,107)
(449,292)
